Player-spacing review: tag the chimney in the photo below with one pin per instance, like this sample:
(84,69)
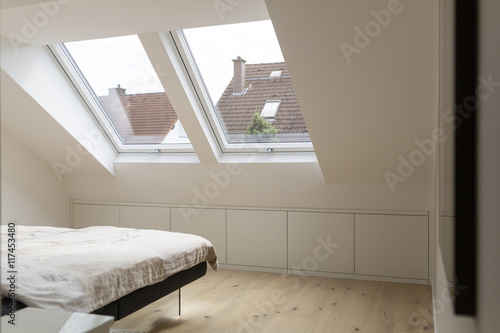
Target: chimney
(239,75)
(116,91)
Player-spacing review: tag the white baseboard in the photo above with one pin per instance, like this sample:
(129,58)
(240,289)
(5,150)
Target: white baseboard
(323,274)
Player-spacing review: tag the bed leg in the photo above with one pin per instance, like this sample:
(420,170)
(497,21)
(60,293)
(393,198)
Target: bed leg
(179,301)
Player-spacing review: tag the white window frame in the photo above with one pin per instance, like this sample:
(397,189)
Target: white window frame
(207,115)
(95,108)
(178,39)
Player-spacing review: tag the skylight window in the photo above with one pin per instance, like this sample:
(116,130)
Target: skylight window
(243,71)
(130,101)
(270,109)
(275,74)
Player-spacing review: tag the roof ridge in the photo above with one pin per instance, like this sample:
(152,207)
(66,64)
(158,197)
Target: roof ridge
(266,63)
(139,94)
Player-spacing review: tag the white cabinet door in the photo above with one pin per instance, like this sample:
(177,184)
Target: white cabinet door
(257,238)
(144,217)
(86,215)
(207,223)
(392,245)
(321,242)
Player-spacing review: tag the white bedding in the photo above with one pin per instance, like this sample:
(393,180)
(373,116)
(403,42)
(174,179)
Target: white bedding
(82,270)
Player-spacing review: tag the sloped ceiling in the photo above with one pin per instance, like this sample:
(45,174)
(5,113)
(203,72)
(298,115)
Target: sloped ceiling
(365,110)
(28,122)
(363,115)
(50,22)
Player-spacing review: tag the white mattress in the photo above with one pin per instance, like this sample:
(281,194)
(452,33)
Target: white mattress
(82,270)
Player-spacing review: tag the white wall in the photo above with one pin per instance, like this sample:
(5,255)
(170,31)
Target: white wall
(28,94)
(365,116)
(261,185)
(489,178)
(488,270)
(365,142)
(31,192)
(367,85)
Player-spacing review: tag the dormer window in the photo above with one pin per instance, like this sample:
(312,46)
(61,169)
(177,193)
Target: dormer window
(275,74)
(270,109)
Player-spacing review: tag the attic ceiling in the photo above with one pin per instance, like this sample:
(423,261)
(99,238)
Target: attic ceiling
(51,22)
(365,108)
(37,130)
(362,113)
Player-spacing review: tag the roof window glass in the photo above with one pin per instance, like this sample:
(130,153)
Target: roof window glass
(244,72)
(127,90)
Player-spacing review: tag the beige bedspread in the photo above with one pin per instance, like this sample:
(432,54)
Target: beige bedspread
(82,270)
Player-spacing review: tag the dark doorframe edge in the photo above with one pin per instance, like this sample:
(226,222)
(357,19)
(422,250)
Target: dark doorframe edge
(466,113)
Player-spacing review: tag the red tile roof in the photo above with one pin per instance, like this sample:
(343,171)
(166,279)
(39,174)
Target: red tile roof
(147,118)
(236,110)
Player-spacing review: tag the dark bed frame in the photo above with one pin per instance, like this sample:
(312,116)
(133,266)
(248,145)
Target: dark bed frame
(138,299)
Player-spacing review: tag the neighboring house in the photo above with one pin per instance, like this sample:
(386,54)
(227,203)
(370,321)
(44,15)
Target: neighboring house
(263,88)
(267,89)
(140,118)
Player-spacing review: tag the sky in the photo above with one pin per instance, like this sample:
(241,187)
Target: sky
(215,47)
(111,61)
(107,62)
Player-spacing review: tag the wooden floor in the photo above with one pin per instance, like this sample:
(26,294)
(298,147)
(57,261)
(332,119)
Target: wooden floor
(239,301)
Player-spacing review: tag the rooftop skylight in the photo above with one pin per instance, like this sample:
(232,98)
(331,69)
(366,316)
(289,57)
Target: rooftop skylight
(230,79)
(244,73)
(275,74)
(270,108)
(130,99)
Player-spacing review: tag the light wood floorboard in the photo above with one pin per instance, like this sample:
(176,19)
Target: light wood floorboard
(240,302)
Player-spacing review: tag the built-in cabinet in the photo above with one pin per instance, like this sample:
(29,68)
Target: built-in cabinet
(321,242)
(207,223)
(390,246)
(90,215)
(257,238)
(141,217)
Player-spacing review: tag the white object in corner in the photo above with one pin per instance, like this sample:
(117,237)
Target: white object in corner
(49,321)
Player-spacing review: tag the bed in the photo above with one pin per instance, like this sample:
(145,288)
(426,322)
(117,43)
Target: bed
(102,269)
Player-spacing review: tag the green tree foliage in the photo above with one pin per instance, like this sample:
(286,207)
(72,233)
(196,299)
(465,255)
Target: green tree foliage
(259,125)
